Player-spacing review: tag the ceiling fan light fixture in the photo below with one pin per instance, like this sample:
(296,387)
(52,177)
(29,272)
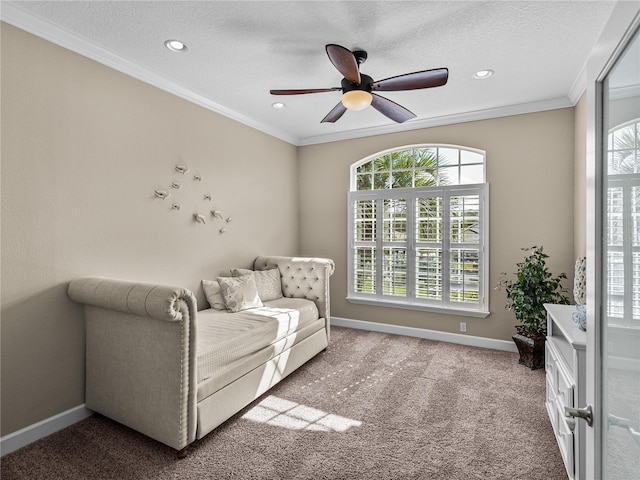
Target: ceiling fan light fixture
(176,46)
(356,99)
(357,88)
(482,74)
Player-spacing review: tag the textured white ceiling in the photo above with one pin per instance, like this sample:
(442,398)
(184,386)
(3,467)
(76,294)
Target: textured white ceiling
(239,50)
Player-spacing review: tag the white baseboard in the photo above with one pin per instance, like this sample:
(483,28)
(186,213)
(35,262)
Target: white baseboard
(21,438)
(469,340)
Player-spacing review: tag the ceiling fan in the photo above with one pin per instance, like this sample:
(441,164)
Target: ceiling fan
(358,89)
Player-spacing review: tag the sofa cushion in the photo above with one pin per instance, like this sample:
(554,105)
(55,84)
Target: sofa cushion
(213,292)
(231,344)
(240,293)
(268,282)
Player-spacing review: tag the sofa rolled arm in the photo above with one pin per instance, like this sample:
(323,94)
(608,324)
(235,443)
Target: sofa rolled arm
(161,302)
(141,355)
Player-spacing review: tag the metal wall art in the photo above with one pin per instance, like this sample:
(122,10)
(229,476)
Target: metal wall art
(184,196)
(162,194)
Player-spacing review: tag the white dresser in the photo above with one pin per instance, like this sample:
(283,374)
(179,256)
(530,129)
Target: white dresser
(565,363)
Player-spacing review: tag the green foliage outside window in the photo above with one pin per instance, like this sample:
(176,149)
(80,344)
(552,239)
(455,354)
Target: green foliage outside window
(416,167)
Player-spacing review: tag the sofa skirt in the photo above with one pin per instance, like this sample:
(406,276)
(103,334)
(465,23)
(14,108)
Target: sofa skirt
(219,406)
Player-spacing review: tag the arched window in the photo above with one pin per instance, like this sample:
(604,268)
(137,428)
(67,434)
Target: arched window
(623,224)
(419,166)
(418,229)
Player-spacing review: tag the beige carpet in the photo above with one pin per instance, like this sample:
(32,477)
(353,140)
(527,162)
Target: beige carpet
(373,406)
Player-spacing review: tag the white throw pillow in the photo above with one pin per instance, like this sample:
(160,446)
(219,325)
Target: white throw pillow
(214,294)
(268,282)
(240,293)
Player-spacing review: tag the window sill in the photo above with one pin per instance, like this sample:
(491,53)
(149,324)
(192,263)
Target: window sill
(420,306)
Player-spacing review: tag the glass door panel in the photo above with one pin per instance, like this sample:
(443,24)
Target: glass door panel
(620,260)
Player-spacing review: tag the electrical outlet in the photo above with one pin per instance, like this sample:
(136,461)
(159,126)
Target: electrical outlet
(463,327)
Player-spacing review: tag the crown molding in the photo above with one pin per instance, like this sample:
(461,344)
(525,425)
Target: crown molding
(579,86)
(628,91)
(506,111)
(18,17)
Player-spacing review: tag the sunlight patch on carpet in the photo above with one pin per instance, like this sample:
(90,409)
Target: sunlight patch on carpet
(294,416)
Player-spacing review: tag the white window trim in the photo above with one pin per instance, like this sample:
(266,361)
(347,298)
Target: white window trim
(407,305)
(414,304)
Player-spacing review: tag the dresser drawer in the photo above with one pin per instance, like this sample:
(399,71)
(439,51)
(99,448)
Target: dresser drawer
(551,390)
(552,410)
(565,441)
(558,380)
(564,388)
(550,365)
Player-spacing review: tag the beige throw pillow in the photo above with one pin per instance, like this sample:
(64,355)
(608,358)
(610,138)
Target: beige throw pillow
(214,294)
(268,282)
(240,293)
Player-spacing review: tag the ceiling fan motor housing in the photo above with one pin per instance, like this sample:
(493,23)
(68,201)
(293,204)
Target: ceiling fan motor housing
(365,84)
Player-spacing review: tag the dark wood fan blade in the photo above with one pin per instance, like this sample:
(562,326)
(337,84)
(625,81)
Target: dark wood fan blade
(335,113)
(344,60)
(303,91)
(391,109)
(413,81)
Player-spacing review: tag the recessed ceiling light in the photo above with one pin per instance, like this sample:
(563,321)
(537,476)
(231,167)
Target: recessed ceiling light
(278,105)
(176,46)
(482,74)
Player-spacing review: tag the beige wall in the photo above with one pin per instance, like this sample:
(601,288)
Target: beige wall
(83,148)
(530,171)
(580,179)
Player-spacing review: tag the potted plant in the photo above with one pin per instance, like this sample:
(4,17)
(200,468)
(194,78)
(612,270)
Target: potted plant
(526,295)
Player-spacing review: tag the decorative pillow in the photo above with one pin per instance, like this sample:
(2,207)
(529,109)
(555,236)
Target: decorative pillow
(214,294)
(240,293)
(268,282)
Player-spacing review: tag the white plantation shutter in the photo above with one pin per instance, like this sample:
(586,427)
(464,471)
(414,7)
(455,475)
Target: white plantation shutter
(622,230)
(422,247)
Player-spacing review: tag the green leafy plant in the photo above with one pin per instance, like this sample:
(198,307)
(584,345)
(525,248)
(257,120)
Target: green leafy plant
(533,287)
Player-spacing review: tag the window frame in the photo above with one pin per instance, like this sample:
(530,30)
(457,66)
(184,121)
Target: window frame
(410,195)
(621,314)
(353,179)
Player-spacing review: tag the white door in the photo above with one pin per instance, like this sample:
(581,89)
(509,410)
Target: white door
(613,332)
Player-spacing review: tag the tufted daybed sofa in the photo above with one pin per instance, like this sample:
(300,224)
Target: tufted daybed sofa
(158,365)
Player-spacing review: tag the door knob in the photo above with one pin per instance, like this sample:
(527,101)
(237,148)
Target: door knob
(585,413)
